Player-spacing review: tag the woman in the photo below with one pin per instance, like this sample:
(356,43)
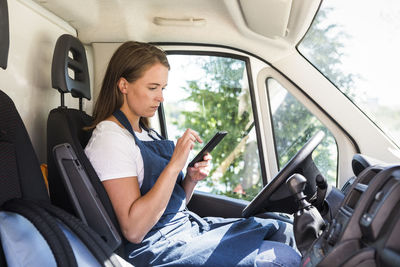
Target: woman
(142,174)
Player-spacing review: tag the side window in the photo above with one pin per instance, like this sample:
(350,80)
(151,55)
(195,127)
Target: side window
(293,125)
(210,94)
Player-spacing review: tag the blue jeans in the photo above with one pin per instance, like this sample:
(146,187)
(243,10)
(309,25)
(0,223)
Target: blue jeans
(273,253)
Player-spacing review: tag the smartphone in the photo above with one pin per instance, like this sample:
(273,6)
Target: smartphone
(208,147)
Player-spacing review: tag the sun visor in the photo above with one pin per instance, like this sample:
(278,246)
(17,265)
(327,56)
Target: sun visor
(268,18)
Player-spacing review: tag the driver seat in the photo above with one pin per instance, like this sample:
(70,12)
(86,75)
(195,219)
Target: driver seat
(73,183)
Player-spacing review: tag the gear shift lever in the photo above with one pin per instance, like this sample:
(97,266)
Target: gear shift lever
(297,184)
(308,223)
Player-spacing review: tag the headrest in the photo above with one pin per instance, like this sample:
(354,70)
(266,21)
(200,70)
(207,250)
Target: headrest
(4,34)
(69,70)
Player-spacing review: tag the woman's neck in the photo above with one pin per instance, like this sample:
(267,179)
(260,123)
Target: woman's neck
(134,123)
(133,119)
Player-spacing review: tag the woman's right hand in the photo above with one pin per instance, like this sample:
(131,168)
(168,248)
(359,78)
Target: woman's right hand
(183,147)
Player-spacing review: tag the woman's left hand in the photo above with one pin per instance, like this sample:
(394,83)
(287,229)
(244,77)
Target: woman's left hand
(200,170)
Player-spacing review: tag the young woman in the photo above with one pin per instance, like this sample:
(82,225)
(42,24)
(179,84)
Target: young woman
(142,174)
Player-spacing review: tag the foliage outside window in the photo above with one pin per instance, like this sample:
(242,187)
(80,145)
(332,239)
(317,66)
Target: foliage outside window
(359,53)
(293,126)
(209,94)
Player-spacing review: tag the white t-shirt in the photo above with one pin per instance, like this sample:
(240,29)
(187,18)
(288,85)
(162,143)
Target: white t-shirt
(113,152)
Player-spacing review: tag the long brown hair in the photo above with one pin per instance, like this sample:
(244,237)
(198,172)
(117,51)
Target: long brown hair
(129,61)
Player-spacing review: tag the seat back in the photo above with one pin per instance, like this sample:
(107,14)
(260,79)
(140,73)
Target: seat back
(27,219)
(20,174)
(73,183)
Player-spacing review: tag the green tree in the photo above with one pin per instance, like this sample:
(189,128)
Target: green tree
(323,45)
(219,102)
(293,126)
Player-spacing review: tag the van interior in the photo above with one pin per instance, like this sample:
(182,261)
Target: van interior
(305,143)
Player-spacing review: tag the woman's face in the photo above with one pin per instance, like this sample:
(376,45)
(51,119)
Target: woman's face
(145,94)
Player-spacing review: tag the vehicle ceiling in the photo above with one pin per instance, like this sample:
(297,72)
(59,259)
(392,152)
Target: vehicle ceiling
(249,25)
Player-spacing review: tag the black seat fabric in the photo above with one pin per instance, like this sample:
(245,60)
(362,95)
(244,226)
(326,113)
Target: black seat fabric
(23,192)
(20,174)
(65,125)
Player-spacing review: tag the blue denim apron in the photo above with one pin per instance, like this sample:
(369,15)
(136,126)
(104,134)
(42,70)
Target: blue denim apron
(182,238)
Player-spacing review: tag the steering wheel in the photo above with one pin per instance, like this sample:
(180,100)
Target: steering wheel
(263,198)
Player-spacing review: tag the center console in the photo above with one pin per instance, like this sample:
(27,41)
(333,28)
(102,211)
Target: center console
(366,229)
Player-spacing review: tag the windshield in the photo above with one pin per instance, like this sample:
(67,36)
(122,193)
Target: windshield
(355,44)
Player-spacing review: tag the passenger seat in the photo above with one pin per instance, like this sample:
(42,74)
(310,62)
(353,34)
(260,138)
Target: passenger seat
(32,231)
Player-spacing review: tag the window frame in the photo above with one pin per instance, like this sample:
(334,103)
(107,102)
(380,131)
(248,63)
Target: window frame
(370,120)
(246,60)
(347,146)
(343,140)
(274,132)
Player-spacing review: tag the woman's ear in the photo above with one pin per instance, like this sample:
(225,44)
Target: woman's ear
(122,85)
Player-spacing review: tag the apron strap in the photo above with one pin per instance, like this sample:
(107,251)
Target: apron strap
(120,116)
